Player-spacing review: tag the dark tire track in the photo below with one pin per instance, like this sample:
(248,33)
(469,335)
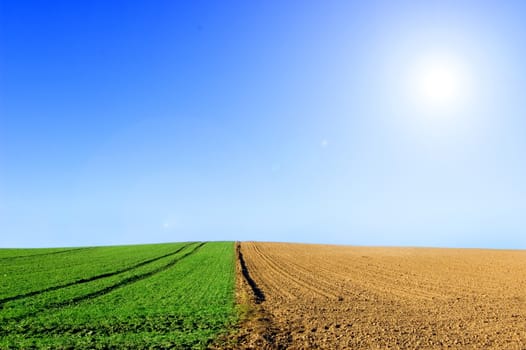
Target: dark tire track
(259,296)
(258,329)
(43,254)
(90,279)
(125,282)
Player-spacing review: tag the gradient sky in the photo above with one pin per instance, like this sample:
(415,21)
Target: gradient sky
(153,121)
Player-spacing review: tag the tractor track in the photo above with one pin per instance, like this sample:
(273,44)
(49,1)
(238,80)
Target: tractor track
(44,254)
(90,279)
(259,296)
(90,296)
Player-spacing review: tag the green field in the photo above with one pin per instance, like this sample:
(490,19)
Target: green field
(177,295)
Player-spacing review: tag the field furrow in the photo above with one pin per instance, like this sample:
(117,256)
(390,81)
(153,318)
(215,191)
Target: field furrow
(295,284)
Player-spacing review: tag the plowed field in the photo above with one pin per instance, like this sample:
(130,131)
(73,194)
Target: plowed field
(335,297)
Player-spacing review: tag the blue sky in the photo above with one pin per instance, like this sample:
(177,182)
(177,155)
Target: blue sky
(153,121)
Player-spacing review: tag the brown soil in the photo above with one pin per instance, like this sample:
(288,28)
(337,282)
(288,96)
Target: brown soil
(333,297)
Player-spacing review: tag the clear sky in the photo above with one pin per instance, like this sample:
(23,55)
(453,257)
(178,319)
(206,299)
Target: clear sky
(349,122)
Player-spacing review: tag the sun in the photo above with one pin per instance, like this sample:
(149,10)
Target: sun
(440,83)
(439,94)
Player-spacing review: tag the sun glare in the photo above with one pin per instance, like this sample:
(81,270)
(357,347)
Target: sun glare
(439,98)
(440,84)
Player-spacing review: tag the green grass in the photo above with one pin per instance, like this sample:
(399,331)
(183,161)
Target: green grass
(152,296)
(44,268)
